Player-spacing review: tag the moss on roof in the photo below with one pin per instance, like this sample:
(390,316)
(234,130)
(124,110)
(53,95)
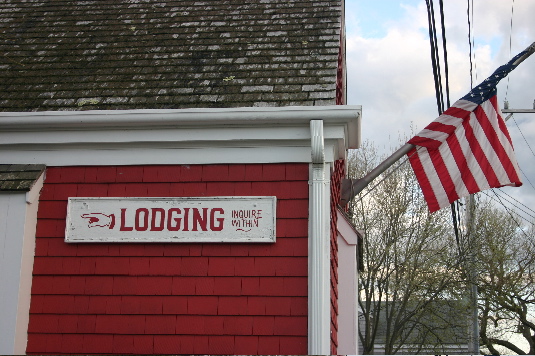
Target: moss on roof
(130,54)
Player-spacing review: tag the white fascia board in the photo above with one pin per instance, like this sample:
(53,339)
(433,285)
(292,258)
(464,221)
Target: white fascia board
(185,136)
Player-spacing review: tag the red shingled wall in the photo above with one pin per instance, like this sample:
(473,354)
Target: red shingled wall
(171,298)
(336,179)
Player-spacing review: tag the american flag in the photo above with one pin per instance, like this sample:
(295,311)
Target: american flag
(467,149)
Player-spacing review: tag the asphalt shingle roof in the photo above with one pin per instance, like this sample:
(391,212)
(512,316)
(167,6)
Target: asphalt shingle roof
(133,54)
(19,177)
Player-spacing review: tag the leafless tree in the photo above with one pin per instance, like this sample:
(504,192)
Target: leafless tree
(412,270)
(506,260)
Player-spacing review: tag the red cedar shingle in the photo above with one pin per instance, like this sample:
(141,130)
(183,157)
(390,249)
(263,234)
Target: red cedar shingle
(160,324)
(191,173)
(72,175)
(203,305)
(67,323)
(204,285)
(187,344)
(232,305)
(194,266)
(274,172)
(129,174)
(37,343)
(48,228)
(263,325)
(154,285)
(64,191)
(214,325)
(99,285)
(245,266)
(123,344)
(167,344)
(112,265)
(153,249)
(227,286)
(183,286)
(217,249)
(47,192)
(256,305)
(123,285)
(221,345)
(293,345)
(189,325)
(86,324)
(175,305)
(193,190)
(52,210)
(59,304)
(48,265)
(97,304)
(278,305)
(297,171)
(221,266)
(144,344)
(268,345)
(220,189)
(158,189)
(253,172)
(292,209)
(113,305)
(136,190)
(246,345)
(200,344)
(43,323)
(94,343)
(77,285)
(73,343)
(299,306)
(285,325)
(236,172)
(238,325)
(215,173)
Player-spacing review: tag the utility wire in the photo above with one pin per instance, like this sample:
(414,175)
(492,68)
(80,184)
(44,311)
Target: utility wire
(516,206)
(533,153)
(510,44)
(470,44)
(445,50)
(512,217)
(435,60)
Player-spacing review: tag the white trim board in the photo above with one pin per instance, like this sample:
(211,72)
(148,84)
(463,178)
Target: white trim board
(186,136)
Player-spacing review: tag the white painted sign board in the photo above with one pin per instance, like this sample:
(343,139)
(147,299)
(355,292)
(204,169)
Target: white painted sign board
(210,219)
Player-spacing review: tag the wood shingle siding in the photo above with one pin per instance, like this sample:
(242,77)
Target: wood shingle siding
(125,54)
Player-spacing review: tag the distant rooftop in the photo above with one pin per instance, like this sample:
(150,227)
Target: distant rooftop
(133,54)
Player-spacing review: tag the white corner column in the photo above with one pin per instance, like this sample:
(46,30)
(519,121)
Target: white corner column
(348,240)
(319,294)
(18,218)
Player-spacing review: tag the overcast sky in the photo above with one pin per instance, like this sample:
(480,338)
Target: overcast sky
(390,72)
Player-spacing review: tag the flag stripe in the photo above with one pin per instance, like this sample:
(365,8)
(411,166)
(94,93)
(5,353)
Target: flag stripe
(472,130)
(423,180)
(493,147)
(470,170)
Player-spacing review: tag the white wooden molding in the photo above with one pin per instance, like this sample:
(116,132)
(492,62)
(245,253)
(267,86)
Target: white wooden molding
(182,136)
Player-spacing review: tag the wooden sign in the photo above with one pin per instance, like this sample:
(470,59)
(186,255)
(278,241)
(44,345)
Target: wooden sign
(211,219)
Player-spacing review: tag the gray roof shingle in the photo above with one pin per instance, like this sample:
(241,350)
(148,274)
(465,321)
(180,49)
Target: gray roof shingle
(131,54)
(19,177)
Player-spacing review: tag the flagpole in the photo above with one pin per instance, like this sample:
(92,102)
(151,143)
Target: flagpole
(352,187)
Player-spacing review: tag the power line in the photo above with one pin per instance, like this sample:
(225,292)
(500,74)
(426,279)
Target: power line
(510,44)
